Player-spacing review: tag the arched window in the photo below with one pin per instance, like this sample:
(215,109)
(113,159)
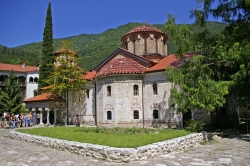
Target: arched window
(126,45)
(109,115)
(156,43)
(109,91)
(156,114)
(136,114)
(145,37)
(87,93)
(36,80)
(155,90)
(133,38)
(136,90)
(31,79)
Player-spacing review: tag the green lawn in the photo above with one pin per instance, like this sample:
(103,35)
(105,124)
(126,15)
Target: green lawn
(117,137)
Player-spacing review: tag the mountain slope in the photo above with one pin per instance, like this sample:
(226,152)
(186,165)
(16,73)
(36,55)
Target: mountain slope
(94,48)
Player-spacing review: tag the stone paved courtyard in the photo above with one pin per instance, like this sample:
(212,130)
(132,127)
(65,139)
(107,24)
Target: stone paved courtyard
(233,151)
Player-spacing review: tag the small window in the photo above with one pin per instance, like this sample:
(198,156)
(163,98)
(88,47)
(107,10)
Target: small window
(155,91)
(156,114)
(136,114)
(136,90)
(223,111)
(109,91)
(31,79)
(87,93)
(36,80)
(109,115)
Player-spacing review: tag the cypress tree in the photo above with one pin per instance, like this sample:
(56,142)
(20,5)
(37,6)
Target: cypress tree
(47,58)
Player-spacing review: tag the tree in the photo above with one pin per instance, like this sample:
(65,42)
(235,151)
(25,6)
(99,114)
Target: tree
(235,46)
(66,75)
(11,96)
(47,57)
(220,65)
(195,73)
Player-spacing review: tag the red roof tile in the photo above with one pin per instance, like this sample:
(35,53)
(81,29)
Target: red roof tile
(90,75)
(163,63)
(17,68)
(44,97)
(144,28)
(121,66)
(61,51)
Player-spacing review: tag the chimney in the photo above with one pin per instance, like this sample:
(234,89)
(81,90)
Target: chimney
(23,64)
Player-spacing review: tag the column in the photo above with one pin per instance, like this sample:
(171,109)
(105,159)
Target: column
(55,116)
(192,114)
(48,116)
(181,120)
(41,117)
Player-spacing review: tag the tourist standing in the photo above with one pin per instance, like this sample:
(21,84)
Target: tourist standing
(34,118)
(7,120)
(16,120)
(27,120)
(21,119)
(12,121)
(38,116)
(77,121)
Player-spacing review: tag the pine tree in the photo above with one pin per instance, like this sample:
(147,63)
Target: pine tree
(47,58)
(11,96)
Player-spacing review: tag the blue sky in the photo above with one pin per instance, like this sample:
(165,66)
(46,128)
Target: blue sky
(22,21)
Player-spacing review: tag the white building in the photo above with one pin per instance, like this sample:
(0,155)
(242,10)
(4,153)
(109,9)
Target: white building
(130,88)
(27,75)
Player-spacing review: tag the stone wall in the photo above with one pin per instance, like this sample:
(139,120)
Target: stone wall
(114,154)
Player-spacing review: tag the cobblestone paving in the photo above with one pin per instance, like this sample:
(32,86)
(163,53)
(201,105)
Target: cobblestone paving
(223,152)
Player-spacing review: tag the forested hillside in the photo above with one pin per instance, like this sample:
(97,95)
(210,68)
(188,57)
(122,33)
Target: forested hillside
(92,48)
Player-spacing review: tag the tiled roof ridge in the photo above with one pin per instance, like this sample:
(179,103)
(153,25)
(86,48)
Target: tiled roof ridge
(144,28)
(121,66)
(48,96)
(139,56)
(17,68)
(124,50)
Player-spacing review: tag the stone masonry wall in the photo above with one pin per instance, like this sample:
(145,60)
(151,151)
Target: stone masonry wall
(110,153)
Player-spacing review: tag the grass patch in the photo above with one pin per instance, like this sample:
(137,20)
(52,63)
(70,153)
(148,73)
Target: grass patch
(116,137)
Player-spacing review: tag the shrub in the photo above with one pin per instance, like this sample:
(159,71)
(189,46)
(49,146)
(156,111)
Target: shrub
(194,125)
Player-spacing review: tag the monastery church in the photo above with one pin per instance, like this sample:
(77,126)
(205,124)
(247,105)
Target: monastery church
(130,88)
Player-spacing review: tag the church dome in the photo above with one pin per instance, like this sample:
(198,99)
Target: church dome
(145,40)
(144,28)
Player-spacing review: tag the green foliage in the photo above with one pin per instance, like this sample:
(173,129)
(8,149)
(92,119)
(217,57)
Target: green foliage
(194,125)
(234,46)
(132,140)
(11,96)
(94,48)
(197,88)
(16,56)
(47,58)
(66,74)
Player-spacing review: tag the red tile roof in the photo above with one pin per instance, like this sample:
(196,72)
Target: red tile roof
(17,68)
(144,28)
(121,66)
(163,63)
(62,50)
(44,97)
(90,75)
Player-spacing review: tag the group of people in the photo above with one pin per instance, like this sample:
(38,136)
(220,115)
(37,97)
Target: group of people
(19,120)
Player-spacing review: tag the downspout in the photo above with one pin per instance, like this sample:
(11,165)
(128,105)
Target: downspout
(95,106)
(143,102)
(67,96)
